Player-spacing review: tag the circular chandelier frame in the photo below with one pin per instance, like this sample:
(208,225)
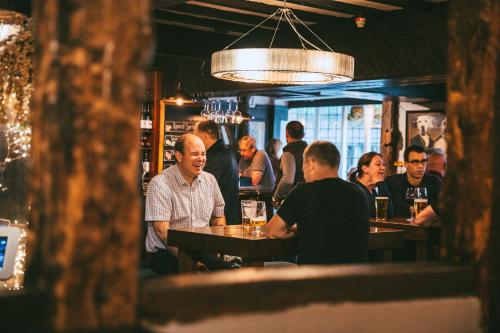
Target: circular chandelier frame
(282,66)
(286,66)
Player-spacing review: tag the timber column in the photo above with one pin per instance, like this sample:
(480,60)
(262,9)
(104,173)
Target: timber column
(89,74)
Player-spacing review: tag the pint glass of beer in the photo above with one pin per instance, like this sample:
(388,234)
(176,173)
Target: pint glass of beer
(419,205)
(248,209)
(381,208)
(253,214)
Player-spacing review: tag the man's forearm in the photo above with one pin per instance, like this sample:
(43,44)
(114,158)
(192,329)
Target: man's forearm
(218,221)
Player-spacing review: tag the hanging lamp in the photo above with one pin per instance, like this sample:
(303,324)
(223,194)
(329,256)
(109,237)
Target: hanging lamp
(291,66)
(180,96)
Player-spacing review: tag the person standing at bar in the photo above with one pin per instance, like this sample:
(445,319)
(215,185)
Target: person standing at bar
(255,164)
(290,172)
(221,163)
(330,214)
(415,176)
(182,196)
(272,148)
(369,175)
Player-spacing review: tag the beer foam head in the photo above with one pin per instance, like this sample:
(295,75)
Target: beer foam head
(420,200)
(382,198)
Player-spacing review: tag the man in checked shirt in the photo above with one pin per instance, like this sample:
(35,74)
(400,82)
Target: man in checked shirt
(182,196)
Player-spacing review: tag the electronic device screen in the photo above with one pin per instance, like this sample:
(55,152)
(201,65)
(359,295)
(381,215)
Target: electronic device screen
(9,240)
(3,249)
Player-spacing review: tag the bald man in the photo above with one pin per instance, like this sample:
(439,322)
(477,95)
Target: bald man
(182,196)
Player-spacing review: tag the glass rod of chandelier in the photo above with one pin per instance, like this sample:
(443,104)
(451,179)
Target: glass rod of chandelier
(222,112)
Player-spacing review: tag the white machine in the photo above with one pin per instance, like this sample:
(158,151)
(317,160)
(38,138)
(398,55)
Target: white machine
(9,240)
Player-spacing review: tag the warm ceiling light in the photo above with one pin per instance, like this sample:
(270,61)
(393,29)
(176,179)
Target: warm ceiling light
(180,96)
(283,65)
(10,23)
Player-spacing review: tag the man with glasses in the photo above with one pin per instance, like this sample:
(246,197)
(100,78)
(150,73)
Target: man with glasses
(415,176)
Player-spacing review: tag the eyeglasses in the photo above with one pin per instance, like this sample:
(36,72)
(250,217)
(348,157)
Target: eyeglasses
(416,162)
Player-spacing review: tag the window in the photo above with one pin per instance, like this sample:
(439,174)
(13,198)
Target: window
(355,130)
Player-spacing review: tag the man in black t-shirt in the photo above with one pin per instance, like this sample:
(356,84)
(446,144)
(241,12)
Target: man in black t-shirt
(330,214)
(415,176)
(221,163)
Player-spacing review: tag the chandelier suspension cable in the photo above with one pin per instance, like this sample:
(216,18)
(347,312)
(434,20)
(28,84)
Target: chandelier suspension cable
(319,38)
(301,38)
(280,65)
(249,31)
(276,29)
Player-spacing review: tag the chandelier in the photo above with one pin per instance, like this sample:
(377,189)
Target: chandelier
(292,66)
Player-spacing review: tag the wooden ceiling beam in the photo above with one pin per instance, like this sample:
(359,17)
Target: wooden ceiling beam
(167,3)
(208,17)
(308,9)
(196,27)
(370,4)
(238,11)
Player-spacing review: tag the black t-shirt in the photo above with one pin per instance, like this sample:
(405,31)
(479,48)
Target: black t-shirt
(380,191)
(397,185)
(332,221)
(221,163)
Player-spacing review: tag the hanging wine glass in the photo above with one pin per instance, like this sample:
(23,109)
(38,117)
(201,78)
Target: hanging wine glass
(236,116)
(228,118)
(219,114)
(211,114)
(204,113)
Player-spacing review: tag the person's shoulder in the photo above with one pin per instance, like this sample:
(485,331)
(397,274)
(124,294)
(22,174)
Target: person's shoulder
(208,177)
(396,178)
(261,154)
(351,187)
(432,179)
(161,183)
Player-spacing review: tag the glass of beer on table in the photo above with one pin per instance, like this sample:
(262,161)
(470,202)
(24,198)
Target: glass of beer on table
(253,214)
(381,208)
(420,202)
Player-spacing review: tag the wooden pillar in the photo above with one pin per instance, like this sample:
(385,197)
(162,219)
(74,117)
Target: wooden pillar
(89,68)
(471,199)
(391,141)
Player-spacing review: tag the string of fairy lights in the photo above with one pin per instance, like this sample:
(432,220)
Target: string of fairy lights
(16,90)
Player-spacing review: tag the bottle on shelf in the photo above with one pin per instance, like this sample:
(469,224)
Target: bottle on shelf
(145,165)
(148,122)
(146,116)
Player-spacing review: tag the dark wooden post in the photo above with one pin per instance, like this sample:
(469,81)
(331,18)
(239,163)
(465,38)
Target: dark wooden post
(391,136)
(89,67)
(472,188)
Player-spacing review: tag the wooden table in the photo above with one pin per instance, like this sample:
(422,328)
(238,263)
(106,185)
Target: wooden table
(426,237)
(233,240)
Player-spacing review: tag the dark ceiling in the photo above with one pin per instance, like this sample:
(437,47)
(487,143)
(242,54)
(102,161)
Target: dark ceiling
(403,40)
(401,50)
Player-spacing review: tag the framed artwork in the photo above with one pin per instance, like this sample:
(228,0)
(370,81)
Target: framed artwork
(426,129)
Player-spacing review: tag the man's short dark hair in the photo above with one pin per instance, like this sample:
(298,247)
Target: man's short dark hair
(413,148)
(324,152)
(179,144)
(295,129)
(210,127)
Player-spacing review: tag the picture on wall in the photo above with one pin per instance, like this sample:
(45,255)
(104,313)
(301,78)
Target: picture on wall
(426,129)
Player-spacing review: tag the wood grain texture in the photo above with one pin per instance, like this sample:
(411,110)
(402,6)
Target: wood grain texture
(390,128)
(471,190)
(89,67)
